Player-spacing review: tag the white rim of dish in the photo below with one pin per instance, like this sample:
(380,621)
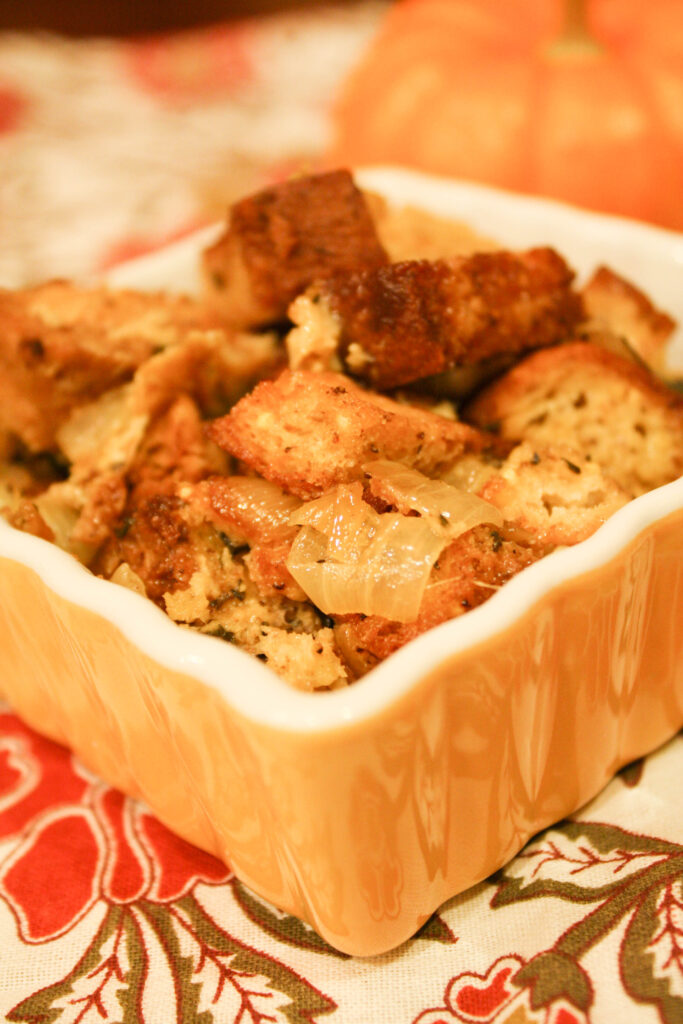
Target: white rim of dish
(248,685)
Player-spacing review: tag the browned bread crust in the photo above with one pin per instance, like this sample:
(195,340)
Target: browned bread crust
(257,523)
(615,304)
(410,320)
(608,407)
(157,545)
(62,346)
(149,531)
(307,432)
(555,495)
(27,518)
(174,449)
(284,237)
(408,233)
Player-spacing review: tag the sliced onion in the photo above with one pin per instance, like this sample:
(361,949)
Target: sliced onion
(256,502)
(343,517)
(348,558)
(448,510)
(127,577)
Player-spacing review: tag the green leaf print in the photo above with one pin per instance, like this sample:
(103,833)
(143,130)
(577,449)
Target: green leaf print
(632,773)
(583,862)
(43,1006)
(552,975)
(436,930)
(187,990)
(285,927)
(294,932)
(652,952)
(629,878)
(242,963)
(130,997)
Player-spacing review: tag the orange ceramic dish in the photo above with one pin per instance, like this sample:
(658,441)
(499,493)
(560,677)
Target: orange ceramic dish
(361,810)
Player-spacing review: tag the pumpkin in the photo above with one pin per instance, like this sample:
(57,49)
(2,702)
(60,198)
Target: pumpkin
(582,101)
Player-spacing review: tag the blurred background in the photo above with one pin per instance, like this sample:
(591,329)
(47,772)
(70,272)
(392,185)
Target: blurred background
(125,125)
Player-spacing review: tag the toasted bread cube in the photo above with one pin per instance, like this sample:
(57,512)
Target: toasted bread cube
(408,233)
(554,494)
(305,656)
(111,474)
(609,408)
(308,661)
(307,432)
(267,566)
(175,450)
(126,427)
(186,520)
(26,517)
(281,239)
(252,516)
(612,303)
(62,346)
(155,542)
(394,325)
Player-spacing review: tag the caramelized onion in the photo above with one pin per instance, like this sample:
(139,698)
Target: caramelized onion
(348,558)
(253,505)
(448,510)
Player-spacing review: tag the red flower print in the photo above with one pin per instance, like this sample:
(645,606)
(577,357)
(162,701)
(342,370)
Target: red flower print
(133,246)
(63,838)
(96,843)
(34,776)
(74,851)
(494,998)
(12,108)
(187,66)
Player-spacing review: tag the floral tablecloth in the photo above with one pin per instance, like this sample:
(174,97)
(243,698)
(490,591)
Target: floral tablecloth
(108,149)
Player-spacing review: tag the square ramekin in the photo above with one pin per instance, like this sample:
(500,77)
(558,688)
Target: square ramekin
(363,809)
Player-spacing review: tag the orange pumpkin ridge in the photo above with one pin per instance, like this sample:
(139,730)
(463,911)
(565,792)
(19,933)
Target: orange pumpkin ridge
(579,101)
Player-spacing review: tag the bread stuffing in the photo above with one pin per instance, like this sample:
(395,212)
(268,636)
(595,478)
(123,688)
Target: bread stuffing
(397,324)
(367,423)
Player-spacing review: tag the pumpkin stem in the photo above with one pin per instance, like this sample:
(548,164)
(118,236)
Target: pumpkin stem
(575,39)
